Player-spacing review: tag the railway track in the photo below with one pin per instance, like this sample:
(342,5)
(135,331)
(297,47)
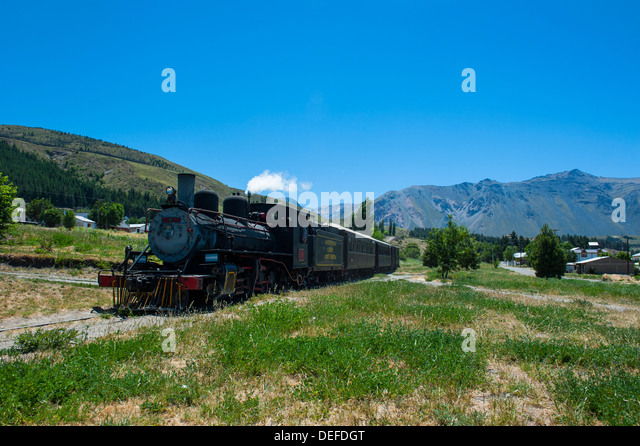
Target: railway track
(50,278)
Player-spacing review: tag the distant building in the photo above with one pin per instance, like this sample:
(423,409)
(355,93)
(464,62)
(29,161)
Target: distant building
(520,258)
(602,265)
(589,253)
(84,222)
(137,228)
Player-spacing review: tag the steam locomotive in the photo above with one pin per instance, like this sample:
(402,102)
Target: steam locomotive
(207,254)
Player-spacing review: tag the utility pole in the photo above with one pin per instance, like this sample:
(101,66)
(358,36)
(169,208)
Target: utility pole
(628,258)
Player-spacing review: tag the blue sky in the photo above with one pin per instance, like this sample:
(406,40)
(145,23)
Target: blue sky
(348,96)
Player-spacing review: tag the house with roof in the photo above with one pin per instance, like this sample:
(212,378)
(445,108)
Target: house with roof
(602,265)
(84,222)
(135,228)
(520,258)
(589,253)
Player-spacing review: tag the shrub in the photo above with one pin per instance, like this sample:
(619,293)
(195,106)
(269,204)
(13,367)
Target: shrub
(7,194)
(69,220)
(52,217)
(44,340)
(412,251)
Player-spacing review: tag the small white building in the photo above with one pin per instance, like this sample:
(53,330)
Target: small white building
(137,228)
(84,222)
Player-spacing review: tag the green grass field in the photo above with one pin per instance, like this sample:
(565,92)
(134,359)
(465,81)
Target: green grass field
(78,243)
(370,352)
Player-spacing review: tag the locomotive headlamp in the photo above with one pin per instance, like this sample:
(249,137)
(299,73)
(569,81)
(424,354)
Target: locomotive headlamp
(171,194)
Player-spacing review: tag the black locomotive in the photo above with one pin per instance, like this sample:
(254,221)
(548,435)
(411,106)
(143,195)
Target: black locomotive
(207,254)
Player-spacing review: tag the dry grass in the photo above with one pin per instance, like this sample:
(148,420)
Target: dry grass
(242,363)
(28,298)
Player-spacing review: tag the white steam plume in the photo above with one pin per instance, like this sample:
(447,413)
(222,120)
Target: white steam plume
(273,181)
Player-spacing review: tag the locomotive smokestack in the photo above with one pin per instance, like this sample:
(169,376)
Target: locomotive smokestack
(186,188)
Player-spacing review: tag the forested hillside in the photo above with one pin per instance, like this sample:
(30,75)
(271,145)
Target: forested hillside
(37,178)
(114,166)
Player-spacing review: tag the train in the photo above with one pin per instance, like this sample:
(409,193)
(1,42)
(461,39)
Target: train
(206,255)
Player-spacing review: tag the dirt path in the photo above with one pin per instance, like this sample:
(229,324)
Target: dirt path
(420,278)
(526,271)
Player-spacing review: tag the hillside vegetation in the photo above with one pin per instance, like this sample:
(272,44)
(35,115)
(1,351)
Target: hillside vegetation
(110,165)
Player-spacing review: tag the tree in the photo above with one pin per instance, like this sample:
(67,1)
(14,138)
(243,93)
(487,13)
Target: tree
(469,252)
(7,194)
(508,253)
(546,254)
(445,248)
(69,220)
(37,207)
(52,217)
(107,214)
(412,250)
(571,255)
(623,256)
(377,234)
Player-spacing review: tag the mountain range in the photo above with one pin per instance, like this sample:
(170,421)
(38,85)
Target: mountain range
(573,202)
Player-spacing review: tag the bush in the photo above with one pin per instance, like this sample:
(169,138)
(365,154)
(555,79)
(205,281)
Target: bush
(69,220)
(45,244)
(412,251)
(52,217)
(7,194)
(44,340)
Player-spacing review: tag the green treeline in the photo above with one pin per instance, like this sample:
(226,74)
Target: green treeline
(519,243)
(37,178)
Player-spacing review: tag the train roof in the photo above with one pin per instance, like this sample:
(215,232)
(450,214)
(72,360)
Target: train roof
(356,233)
